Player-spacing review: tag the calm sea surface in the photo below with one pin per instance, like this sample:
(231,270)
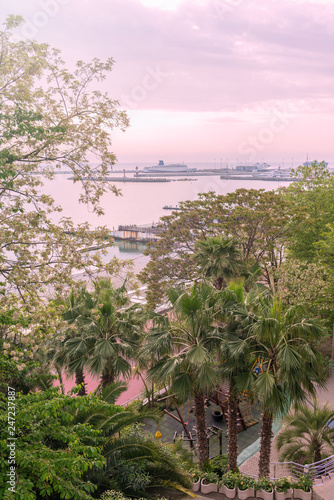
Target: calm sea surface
(141,203)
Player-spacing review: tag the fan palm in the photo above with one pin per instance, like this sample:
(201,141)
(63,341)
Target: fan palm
(186,345)
(286,345)
(218,258)
(62,357)
(233,362)
(307,435)
(107,333)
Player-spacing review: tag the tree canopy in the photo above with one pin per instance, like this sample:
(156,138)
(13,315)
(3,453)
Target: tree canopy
(260,221)
(50,119)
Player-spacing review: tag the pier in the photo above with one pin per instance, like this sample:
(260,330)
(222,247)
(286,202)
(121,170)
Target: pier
(144,233)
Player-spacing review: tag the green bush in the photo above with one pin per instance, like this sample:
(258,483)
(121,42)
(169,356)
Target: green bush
(245,482)
(282,484)
(230,479)
(209,477)
(304,483)
(195,473)
(265,484)
(218,465)
(117,495)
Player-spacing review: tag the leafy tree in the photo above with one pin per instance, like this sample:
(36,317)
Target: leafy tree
(53,453)
(312,197)
(260,221)
(65,125)
(23,347)
(217,259)
(285,343)
(76,448)
(307,283)
(186,346)
(307,435)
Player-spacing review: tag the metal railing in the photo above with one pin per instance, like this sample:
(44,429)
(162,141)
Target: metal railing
(321,471)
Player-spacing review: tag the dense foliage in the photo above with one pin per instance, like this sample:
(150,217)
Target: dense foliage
(66,125)
(259,221)
(78,447)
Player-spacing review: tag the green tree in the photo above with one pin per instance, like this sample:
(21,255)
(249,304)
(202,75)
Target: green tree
(186,346)
(106,333)
(59,351)
(286,345)
(64,125)
(260,221)
(75,448)
(233,363)
(52,452)
(309,284)
(307,435)
(218,259)
(312,198)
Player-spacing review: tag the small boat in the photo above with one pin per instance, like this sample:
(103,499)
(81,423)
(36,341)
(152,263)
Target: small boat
(170,207)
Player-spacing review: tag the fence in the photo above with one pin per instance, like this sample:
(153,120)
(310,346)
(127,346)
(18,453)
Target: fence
(320,472)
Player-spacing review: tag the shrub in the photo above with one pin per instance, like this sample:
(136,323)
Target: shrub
(282,484)
(245,482)
(265,484)
(195,473)
(209,477)
(218,465)
(304,483)
(230,479)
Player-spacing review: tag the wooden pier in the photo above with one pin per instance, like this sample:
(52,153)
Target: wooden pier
(137,233)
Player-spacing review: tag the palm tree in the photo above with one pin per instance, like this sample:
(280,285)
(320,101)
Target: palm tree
(107,333)
(125,448)
(234,363)
(307,435)
(286,345)
(218,258)
(62,357)
(186,346)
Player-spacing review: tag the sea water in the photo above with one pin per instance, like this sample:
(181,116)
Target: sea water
(140,203)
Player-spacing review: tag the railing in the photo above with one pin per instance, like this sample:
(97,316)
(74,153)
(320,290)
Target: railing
(155,229)
(320,472)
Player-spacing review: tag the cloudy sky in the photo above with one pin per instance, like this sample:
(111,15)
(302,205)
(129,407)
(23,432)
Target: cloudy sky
(243,80)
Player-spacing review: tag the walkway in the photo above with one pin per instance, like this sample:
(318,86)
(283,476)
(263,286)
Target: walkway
(168,427)
(325,491)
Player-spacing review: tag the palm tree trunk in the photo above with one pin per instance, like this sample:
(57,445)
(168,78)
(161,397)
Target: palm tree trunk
(202,439)
(317,452)
(232,429)
(80,380)
(108,376)
(60,378)
(218,283)
(265,447)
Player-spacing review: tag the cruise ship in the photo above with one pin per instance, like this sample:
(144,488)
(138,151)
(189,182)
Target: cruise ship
(171,168)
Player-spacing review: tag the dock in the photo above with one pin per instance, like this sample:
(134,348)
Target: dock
(133,232)
(246,177)
(125,179)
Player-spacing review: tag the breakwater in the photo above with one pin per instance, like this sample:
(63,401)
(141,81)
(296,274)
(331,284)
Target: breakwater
(257,178)
(125,179)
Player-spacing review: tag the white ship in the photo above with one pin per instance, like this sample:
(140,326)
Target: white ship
(171,168)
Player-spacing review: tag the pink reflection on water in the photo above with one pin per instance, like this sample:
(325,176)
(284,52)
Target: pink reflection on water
(135,386)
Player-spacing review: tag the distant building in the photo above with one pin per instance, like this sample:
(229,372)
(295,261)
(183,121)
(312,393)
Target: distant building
(252,168)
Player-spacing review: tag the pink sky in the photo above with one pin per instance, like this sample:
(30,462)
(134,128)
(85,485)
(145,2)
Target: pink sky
(204,79)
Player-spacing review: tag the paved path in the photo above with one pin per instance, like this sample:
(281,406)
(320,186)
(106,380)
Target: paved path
(326,490)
